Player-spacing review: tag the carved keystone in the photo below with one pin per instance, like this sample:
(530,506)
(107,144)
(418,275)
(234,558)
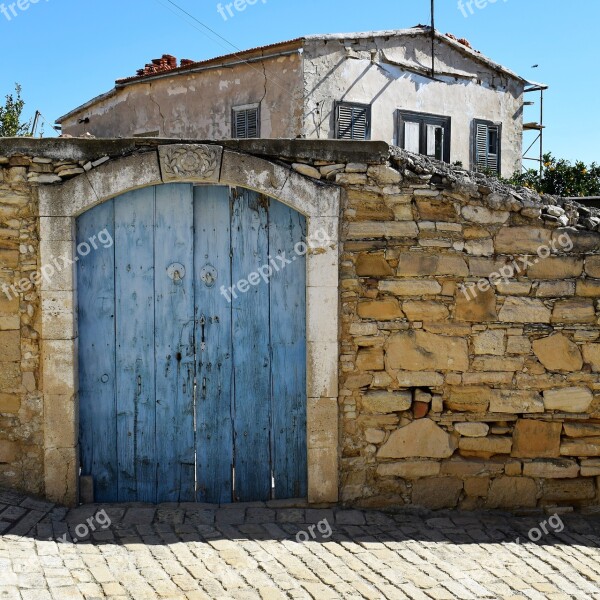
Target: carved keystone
(191,162)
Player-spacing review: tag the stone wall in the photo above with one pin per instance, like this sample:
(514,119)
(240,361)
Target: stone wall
(477,396)
(482,396)
(21,407)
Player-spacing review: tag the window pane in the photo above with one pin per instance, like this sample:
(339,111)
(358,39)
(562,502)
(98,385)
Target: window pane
(411,137)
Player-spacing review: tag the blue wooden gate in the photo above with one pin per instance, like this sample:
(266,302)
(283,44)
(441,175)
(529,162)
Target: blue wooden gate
(192,345)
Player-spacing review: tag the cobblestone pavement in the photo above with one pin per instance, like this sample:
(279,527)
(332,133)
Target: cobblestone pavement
(198,552)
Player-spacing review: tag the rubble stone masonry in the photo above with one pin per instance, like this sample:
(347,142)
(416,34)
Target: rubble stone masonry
(469,354)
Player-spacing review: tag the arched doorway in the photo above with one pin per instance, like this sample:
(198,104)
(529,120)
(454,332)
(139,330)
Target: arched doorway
(192,346)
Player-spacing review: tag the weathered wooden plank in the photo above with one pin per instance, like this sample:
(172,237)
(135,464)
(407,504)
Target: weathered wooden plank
(251,355)
(96,314)
(288,347)
(174,345)
(136,403)
(212,216)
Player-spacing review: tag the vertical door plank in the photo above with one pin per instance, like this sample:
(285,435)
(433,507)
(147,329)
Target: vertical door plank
(136,405)
(251,355)
(96,314)
(288,343)
(174,346)
(212,217)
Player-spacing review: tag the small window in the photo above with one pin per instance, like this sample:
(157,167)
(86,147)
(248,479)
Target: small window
(424,134)
(246,121)
(487,146)
(352,121)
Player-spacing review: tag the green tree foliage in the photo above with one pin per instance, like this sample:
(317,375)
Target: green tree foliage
(10,115)
(561,178)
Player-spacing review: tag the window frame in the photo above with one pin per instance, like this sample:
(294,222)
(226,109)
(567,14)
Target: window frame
(340,103)
(245,107)
(424,119)
(488,124)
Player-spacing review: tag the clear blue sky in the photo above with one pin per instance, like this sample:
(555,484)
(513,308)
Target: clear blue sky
(64,52)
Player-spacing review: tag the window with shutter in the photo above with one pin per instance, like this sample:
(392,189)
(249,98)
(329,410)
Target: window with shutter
(353,121)
(424,134)
(246,121)
(487,143)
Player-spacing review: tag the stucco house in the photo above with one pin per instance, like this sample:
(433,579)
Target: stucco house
(457,105)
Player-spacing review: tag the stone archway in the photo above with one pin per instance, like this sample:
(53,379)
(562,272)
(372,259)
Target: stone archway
(196,163)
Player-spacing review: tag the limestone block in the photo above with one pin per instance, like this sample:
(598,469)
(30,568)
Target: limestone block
(437,493)
(409,469)
(306,170)
(386,402)
(323,475)
(551,469)
(384,175)
(588,288)
(10,403)
(389,229)
(590,467)
(560,267)
(363,329)
(513,467)
(10,346)
(61,466)
(419,439)
(573,240)
(558,353)
(477,487)
(513,287)
(592,266)
(10,376)
(555,289)
(516,402)
(478,309)
(581,447)
(373,265)
(374,436)
(591,356)
(579,430)
(516,240)
(436,210)
(425,311)
(60,367)
(381,310)
(567,490)
(489,445)
(9,451)
(461,467)
(470,398)
(536,439)
(422,351)
(418,264)
(512,492)
(370,359)
(489,342)
(483,215)
(322,369)
(518,345)
(411,287)
(58,319)
(524,310)
(420,379)
(479,247)
(571,399)
(474,430)
(61,426)
(576,310)
(497,363)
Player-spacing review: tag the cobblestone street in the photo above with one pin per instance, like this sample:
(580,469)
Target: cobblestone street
(200,552)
